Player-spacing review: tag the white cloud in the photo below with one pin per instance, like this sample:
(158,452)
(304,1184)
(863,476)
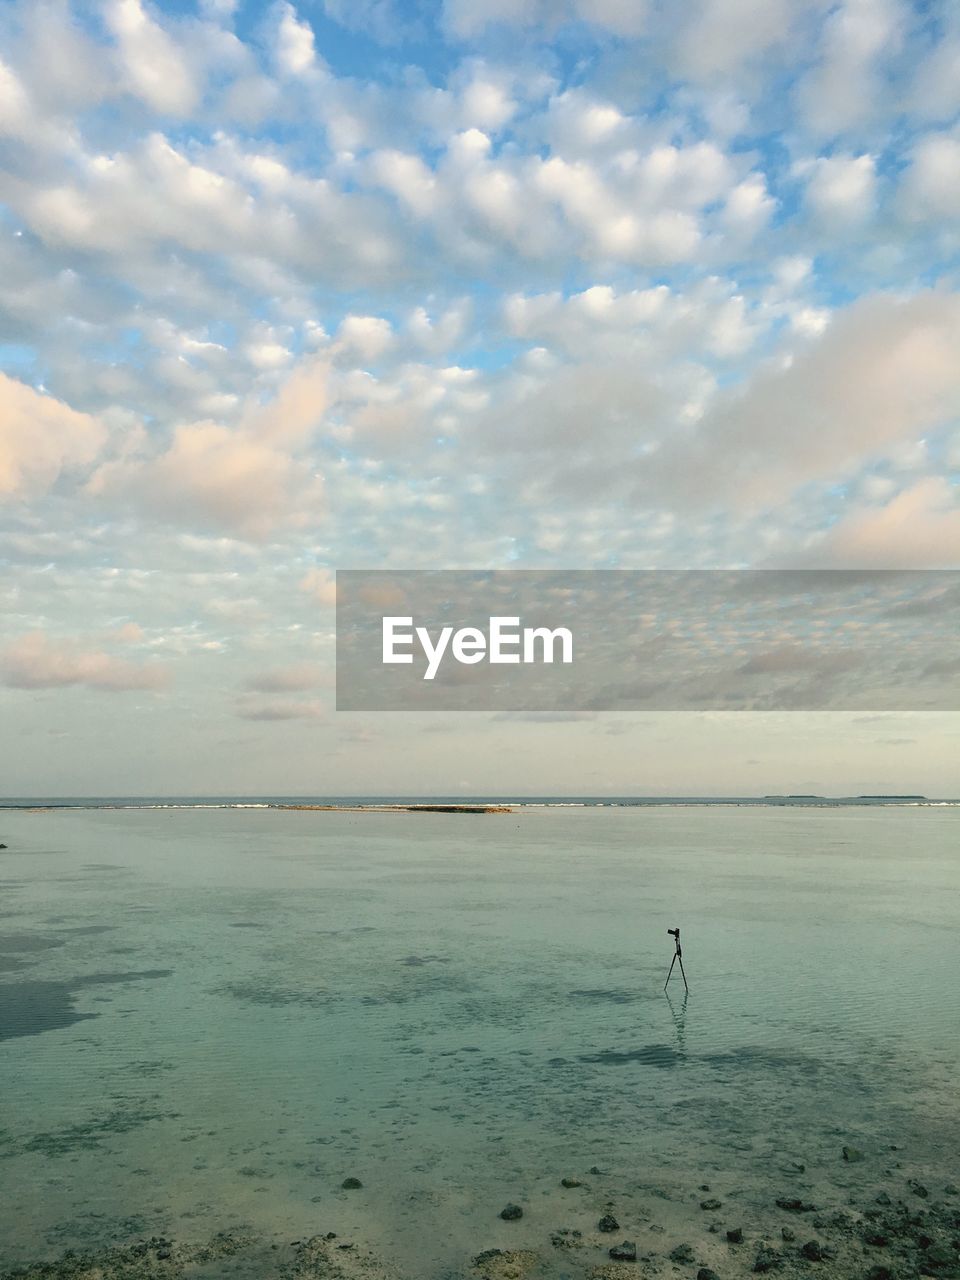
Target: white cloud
(720,35)
(269,709)
(366,337)
(468,18)
(748,207)
(931,185)
(841,190)
(845,88)
(294,678)
(151,65)
(295,53)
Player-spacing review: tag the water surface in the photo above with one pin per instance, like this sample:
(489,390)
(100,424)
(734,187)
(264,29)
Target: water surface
(213,1016)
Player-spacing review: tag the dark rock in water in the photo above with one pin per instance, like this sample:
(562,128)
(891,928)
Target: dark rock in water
(768,1259)
(812,1251)
(2,846)
(511,1212)
(918,1188)
(608,1223)
(710,1204)
(625,1252)
(682,1254)
(704,1186)
(793,1205)
(488,1255)
(852,1155)
(735,1236)
(879,1273)
(788,1234)
(876,1240)
(570,1182)
(351,1184)
(705,1273)
(566,1238)
(597,1173)
(883,1198)
(951,1190)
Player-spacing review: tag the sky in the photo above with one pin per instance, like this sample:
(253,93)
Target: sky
(486,284)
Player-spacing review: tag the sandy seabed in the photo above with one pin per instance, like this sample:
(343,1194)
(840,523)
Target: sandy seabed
(872,1218)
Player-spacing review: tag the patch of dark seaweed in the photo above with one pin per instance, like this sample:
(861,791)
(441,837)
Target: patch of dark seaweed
(602,996)
(650,1055)
(19,943)
(760,1059)
(342,933)
(90,1136)
(30,1007)
(277,997)
(423,987)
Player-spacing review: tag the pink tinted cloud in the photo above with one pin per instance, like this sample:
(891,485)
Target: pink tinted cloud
(37,662)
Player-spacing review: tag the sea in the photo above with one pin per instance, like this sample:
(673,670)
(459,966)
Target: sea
(214,1011)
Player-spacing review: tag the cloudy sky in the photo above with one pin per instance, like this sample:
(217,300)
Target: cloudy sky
(465,283)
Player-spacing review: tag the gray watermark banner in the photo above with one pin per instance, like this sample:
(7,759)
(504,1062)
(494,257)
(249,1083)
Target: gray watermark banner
(657,640)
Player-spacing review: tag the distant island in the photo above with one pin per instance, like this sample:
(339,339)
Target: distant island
(891,797)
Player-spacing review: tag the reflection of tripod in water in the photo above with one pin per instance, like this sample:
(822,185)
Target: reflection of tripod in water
(677,955)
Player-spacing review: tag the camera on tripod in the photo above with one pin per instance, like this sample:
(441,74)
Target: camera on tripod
(677,955)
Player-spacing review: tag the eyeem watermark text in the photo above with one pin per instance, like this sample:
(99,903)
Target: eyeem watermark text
(504,641)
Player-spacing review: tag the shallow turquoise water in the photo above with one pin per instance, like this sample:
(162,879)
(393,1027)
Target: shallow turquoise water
(213,1017)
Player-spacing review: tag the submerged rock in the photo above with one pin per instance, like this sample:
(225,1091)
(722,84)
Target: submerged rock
(794,1205)
(735,1235)
(351,1184)
(608,1223)
(570,1182)
(682,1254)
(505,1264)
(876,1240)
(768,1259)
(852,1155)
(710,1204)
(511,1212)
(625,1252)
(812,1251)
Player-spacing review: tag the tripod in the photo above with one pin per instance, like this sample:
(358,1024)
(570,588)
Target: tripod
(677,955)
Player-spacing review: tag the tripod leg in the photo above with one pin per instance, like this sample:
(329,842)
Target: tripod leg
(684,975)
(672,963)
